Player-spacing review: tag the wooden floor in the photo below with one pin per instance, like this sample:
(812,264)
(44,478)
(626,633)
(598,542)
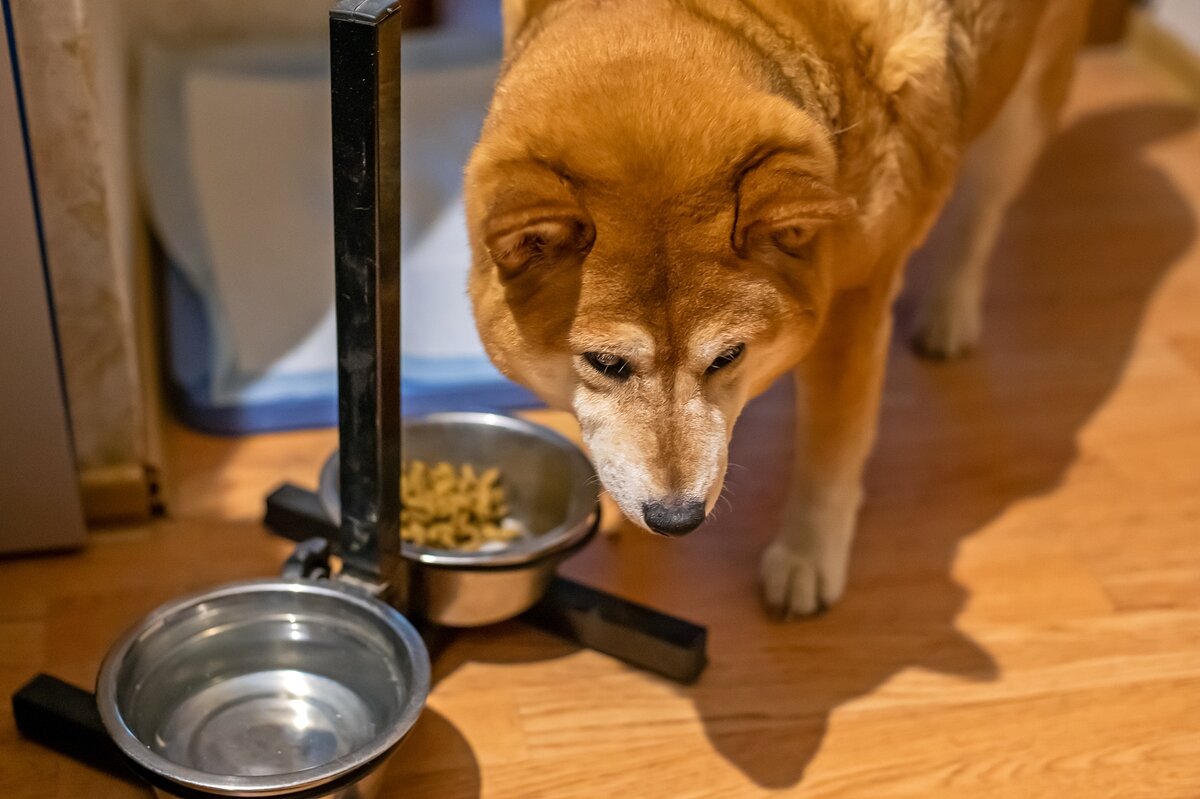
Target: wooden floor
(1023,616)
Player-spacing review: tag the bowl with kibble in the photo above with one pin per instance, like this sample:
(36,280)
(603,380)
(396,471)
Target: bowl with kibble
(489,506)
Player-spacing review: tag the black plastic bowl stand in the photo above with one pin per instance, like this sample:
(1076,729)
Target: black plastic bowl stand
(631,632)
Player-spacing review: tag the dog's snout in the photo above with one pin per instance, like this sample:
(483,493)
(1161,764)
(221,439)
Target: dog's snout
(674,517)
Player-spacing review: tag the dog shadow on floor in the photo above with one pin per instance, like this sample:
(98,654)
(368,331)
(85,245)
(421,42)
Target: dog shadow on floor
(959,443)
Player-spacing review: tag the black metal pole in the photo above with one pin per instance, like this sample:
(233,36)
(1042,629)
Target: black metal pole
(364,39)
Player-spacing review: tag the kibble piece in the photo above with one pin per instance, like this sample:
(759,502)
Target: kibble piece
(454,507)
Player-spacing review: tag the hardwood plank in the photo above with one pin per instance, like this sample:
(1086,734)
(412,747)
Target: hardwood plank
(1022,620)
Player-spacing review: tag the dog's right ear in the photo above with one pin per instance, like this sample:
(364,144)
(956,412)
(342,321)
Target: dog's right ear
(781,204)
(536,219)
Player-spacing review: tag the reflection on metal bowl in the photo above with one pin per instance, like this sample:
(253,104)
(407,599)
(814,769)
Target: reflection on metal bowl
(265,688)
(551,490)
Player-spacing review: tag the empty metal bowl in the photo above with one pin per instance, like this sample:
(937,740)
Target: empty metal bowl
(551,488)
(298,689)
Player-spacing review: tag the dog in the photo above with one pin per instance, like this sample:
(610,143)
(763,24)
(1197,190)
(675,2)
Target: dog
(672,203)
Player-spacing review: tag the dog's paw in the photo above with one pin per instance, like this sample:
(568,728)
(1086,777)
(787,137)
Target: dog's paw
(800,584)
(948,327)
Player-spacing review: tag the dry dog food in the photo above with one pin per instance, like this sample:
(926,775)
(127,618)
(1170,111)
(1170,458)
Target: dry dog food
(453,507)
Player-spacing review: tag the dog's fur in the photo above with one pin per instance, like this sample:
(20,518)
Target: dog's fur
(659,181)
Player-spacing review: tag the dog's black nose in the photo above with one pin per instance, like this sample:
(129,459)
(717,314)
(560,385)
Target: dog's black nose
(674,518)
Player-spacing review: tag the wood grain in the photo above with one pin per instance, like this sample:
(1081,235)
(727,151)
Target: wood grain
(1023,616)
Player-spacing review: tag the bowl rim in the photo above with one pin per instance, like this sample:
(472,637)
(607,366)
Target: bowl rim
(276,784)
(565,536)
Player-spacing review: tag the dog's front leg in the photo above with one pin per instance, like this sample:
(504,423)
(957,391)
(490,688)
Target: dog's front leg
(837,402)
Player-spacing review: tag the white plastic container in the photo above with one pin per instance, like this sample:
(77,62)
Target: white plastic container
(235,158)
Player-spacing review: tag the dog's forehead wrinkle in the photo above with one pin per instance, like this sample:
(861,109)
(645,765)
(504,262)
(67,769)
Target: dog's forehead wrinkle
(629,337)
(713,338)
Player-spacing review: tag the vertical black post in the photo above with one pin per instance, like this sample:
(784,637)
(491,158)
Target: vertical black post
(364,39)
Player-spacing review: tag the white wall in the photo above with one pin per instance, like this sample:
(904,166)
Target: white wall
(39,495)
(60,57)
(1182,18)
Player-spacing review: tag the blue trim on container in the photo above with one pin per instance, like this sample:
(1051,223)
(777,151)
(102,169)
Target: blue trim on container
(302,401)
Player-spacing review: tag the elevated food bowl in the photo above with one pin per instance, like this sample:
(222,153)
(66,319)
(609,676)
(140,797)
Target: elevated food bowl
(265,688)
(551,490)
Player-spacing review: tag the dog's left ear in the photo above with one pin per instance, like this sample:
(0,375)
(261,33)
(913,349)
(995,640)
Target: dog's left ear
(781,205)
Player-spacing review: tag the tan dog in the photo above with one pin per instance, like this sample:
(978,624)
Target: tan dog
(673,202)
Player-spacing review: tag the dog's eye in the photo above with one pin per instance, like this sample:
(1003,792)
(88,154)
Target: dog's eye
(608,364)
(727,357)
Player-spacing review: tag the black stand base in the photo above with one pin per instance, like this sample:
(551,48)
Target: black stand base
(64,718)
(632,633)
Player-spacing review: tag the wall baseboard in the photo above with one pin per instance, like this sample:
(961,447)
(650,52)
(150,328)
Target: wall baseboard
(124,493)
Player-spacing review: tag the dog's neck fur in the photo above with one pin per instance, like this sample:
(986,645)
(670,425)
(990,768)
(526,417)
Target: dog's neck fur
(847,63)
(798,69)
(888,43)
(799,72)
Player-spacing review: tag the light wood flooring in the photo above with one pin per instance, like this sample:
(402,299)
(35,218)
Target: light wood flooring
(1023,615)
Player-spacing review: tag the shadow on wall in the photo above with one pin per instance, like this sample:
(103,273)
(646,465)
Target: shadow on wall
(961,446)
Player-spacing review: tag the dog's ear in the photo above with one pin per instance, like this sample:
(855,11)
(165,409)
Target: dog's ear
(536,219)
(781,205)
(521,239)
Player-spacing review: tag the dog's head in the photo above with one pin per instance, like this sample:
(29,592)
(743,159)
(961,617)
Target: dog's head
(650,251)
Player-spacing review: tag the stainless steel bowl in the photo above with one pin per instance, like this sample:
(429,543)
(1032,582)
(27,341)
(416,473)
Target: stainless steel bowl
(265,688)
(552,490)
